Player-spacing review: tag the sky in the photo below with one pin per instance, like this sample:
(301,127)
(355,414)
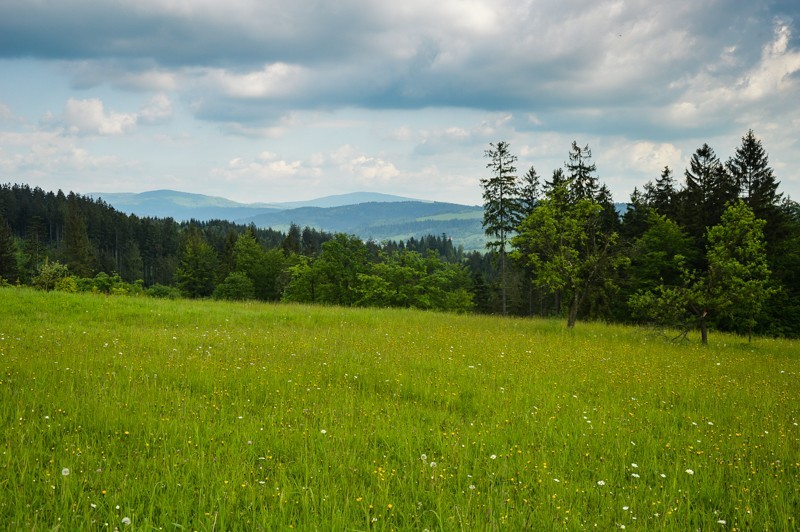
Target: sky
(267,101)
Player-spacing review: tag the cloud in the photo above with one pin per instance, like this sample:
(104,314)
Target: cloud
(158,109)
(89,117)
(42,154)
(130,75)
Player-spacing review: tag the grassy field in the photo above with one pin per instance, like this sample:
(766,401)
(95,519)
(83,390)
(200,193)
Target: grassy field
(129,412)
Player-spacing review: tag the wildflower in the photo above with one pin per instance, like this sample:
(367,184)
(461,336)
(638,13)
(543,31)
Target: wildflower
(625,508)
(65,472)
(126,521)
(634,465)
(601,482)
(472,486)
(689,472)
(634,475)
(323,432)
(433,465)
(493,457)
(663,475)
(721,522)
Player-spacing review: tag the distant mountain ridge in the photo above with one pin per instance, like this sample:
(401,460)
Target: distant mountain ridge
(365,214)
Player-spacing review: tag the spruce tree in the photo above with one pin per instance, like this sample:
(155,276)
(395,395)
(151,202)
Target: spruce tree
(757,186)
(529,193)
(751,171)
(501,204)
(78,250)
(196,276)
(580,170)
(709,189)
(662,196)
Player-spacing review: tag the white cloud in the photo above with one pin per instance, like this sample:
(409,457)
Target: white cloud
(89,117)
(264,167)
(48,155)
(714,97)
(644,157)
(156,110)
(776,73)
(274,80)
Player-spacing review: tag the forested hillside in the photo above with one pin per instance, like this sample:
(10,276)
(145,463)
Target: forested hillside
(70,242)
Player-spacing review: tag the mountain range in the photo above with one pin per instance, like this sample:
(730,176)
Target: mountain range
(365,214)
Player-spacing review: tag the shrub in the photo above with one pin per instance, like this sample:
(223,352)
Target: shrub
(163,291)
(236,286)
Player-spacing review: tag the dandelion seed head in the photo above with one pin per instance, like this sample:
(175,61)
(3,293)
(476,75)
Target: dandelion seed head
(493,457)
(323,432)
(126,521)
(689,472)
(601,482)
(433,465)
(65,472)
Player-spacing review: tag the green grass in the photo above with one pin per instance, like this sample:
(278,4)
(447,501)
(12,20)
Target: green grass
(184,415)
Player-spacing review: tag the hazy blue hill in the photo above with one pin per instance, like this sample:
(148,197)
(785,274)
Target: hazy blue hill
(365,214)
(386,221)
(180,205)
(353,198)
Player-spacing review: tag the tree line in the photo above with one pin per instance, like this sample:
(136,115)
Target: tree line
(74,243)
(718,249)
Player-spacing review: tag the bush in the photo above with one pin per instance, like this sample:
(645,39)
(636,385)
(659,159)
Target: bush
(67,284)
(163,291)
(49,274)
(236,286)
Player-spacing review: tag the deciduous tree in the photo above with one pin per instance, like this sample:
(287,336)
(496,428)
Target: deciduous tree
(564,244)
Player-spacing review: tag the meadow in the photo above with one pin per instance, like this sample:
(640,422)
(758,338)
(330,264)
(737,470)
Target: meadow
(137,413)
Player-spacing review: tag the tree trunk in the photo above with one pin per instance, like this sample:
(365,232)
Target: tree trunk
(703,329)
(503,273)
(572,313)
